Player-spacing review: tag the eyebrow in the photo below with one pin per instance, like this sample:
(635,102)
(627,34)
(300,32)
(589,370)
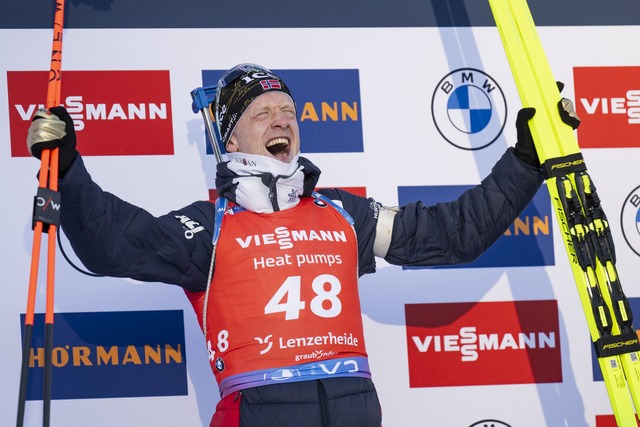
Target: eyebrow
(270,107)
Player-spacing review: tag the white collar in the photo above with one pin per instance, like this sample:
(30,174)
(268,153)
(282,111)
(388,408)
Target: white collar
(265,184)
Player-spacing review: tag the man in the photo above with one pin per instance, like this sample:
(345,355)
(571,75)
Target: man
(276,262)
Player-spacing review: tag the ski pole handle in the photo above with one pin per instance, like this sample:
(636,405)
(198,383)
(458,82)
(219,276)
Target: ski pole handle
(202,99)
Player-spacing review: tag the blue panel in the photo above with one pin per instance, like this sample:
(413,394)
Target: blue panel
(524,245)
(111,354)
(328,104)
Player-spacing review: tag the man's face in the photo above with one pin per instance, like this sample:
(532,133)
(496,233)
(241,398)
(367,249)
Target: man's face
(268,128)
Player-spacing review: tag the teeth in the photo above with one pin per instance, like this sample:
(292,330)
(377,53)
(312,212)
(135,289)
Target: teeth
(277,141)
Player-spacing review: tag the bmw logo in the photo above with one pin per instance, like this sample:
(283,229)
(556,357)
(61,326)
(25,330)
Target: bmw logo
(319,203)
(630,220)
(220,364)
(489,423)
(469,109)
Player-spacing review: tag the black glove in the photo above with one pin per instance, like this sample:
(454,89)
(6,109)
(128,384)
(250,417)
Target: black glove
(524,148)
(53,129)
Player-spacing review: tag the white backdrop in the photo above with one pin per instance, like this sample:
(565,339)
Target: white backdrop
(402,147)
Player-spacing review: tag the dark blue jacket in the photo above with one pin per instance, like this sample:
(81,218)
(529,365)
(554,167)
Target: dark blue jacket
(115,238)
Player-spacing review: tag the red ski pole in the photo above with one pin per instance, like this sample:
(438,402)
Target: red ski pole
(46,219)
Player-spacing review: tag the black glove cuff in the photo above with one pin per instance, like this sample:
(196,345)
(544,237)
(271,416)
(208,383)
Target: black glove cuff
(65,160)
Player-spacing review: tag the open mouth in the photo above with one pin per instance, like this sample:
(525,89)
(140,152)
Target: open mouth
(278,147)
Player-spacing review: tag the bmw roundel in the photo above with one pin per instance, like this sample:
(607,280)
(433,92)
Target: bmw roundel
(630,220)
(219,364)
(469,109)
(489,423)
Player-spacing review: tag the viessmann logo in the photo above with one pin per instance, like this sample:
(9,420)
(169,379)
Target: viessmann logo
(461,344)
(608,102)
(114,112)
(285,238)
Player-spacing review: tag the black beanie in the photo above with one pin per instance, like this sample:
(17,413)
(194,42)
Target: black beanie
(236,90)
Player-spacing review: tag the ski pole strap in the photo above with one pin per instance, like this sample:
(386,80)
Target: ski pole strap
(46,208)
(613,345)
(559,166)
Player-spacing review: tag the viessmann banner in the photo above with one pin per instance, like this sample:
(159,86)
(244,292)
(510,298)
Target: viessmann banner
(462,344)
(114,112)
(611,111)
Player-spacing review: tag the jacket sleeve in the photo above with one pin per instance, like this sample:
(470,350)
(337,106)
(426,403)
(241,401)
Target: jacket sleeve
(115,238)
(460,231)
(364,213)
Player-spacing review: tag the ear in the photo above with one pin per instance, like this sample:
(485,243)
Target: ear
(232,145)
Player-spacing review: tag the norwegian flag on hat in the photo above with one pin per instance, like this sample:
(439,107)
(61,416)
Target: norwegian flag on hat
(270,84)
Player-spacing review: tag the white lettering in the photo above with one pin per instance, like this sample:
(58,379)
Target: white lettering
(117,111)
(266,262)
(96,112)
(285,237)
(629,105)
(469,343)
(191,227)
(634,106)
(244,243)
(29,112)
(319,340)
(79,111)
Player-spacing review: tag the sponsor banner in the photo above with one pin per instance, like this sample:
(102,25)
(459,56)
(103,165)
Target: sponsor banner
(483,343)
(527,242)
(111,354)
(608,102)
(328,104)
(469,109)
(114,112)
(595,366)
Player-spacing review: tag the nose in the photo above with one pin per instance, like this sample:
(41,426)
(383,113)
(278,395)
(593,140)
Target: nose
(280,120)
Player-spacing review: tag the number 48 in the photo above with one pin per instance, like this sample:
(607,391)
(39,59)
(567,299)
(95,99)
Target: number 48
(287,298)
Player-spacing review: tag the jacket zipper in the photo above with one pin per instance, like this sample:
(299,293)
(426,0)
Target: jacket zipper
(322,397)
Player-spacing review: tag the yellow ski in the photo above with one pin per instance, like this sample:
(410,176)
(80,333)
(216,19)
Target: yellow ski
(583,225)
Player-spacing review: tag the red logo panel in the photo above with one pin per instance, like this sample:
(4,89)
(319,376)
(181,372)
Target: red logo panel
(608,102)
(607,421)
(114,112)
(463,344)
